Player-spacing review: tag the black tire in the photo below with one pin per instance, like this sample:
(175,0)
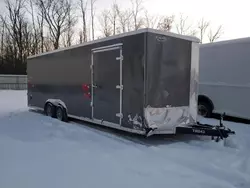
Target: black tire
(49,110)
(205,109)
(61,114)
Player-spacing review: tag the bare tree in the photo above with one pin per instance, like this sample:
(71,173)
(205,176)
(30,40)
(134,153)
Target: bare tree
(106,26)
(83,6)
(182,26)
(71,21)
(2,43)
(48,45)
(202,26)
(137,8)
(34,47)
(64,40)
(150,20)
(30,41)
(192,32)
(15,24)
(124,16)
(92,3)
(37,16)
(80,34)
(165,23)
(130,23)
(113,16)
(16,38)
(55,14)
(33,25)
(213,36)
(40,22)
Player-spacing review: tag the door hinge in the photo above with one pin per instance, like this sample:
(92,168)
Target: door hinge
(91,66)
(91,104)
(120,115)
(119,87)
(119,58)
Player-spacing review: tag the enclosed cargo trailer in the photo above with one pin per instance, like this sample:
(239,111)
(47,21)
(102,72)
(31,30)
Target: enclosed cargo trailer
(224,83)
(142,82)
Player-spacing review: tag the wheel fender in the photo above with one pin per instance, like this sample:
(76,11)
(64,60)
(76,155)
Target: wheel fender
(57,102)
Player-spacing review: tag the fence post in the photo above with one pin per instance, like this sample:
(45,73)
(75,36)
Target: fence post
(17,83)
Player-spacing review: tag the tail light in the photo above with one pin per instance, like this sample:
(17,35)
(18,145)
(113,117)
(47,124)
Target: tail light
(85,87)
(87,95)
(86,90)
(29,84)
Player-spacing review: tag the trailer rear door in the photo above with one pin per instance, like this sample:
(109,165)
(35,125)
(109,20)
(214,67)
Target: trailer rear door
(107,84)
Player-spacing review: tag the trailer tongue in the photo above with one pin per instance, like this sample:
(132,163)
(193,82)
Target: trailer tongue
(216,132)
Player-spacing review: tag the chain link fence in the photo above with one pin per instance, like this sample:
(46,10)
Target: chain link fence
(13,82)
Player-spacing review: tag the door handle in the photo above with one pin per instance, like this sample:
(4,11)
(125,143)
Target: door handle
(97,86)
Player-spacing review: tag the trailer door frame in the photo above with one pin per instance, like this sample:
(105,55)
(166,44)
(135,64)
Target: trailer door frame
(117,46)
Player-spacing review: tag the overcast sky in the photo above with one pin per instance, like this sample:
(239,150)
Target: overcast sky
(233,15)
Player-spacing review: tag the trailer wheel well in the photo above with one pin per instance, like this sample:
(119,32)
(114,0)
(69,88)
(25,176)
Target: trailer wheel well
(203,98)
(50,112)
(45,105)
(56,103)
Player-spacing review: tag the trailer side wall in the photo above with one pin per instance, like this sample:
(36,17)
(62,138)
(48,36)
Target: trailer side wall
(61,75)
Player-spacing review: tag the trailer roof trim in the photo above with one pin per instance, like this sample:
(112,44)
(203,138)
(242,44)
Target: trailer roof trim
(185,37)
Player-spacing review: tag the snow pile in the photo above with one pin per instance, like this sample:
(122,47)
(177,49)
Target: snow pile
(39,152)
(12,101)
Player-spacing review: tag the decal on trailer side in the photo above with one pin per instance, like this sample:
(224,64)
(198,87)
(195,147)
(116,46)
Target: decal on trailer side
(199,131)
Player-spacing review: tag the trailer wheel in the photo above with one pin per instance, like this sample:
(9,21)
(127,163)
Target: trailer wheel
(204,109)
(61,113)
(49,110)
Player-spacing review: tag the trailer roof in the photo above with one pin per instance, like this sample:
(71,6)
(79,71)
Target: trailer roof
(232,41)
(189,38)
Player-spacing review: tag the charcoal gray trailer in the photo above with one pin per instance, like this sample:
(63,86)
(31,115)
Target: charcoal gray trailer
(143,82)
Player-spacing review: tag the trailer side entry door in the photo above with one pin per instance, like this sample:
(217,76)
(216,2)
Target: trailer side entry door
(107,84)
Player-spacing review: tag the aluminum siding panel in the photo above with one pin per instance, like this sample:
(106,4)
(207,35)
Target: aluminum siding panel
(61,75)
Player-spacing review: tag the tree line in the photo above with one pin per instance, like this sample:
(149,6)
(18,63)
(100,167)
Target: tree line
(29,27)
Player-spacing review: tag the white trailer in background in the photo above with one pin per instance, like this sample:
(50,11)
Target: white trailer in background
(225,78)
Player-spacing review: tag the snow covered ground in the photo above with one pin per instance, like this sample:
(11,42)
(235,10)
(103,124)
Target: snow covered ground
(40,152)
